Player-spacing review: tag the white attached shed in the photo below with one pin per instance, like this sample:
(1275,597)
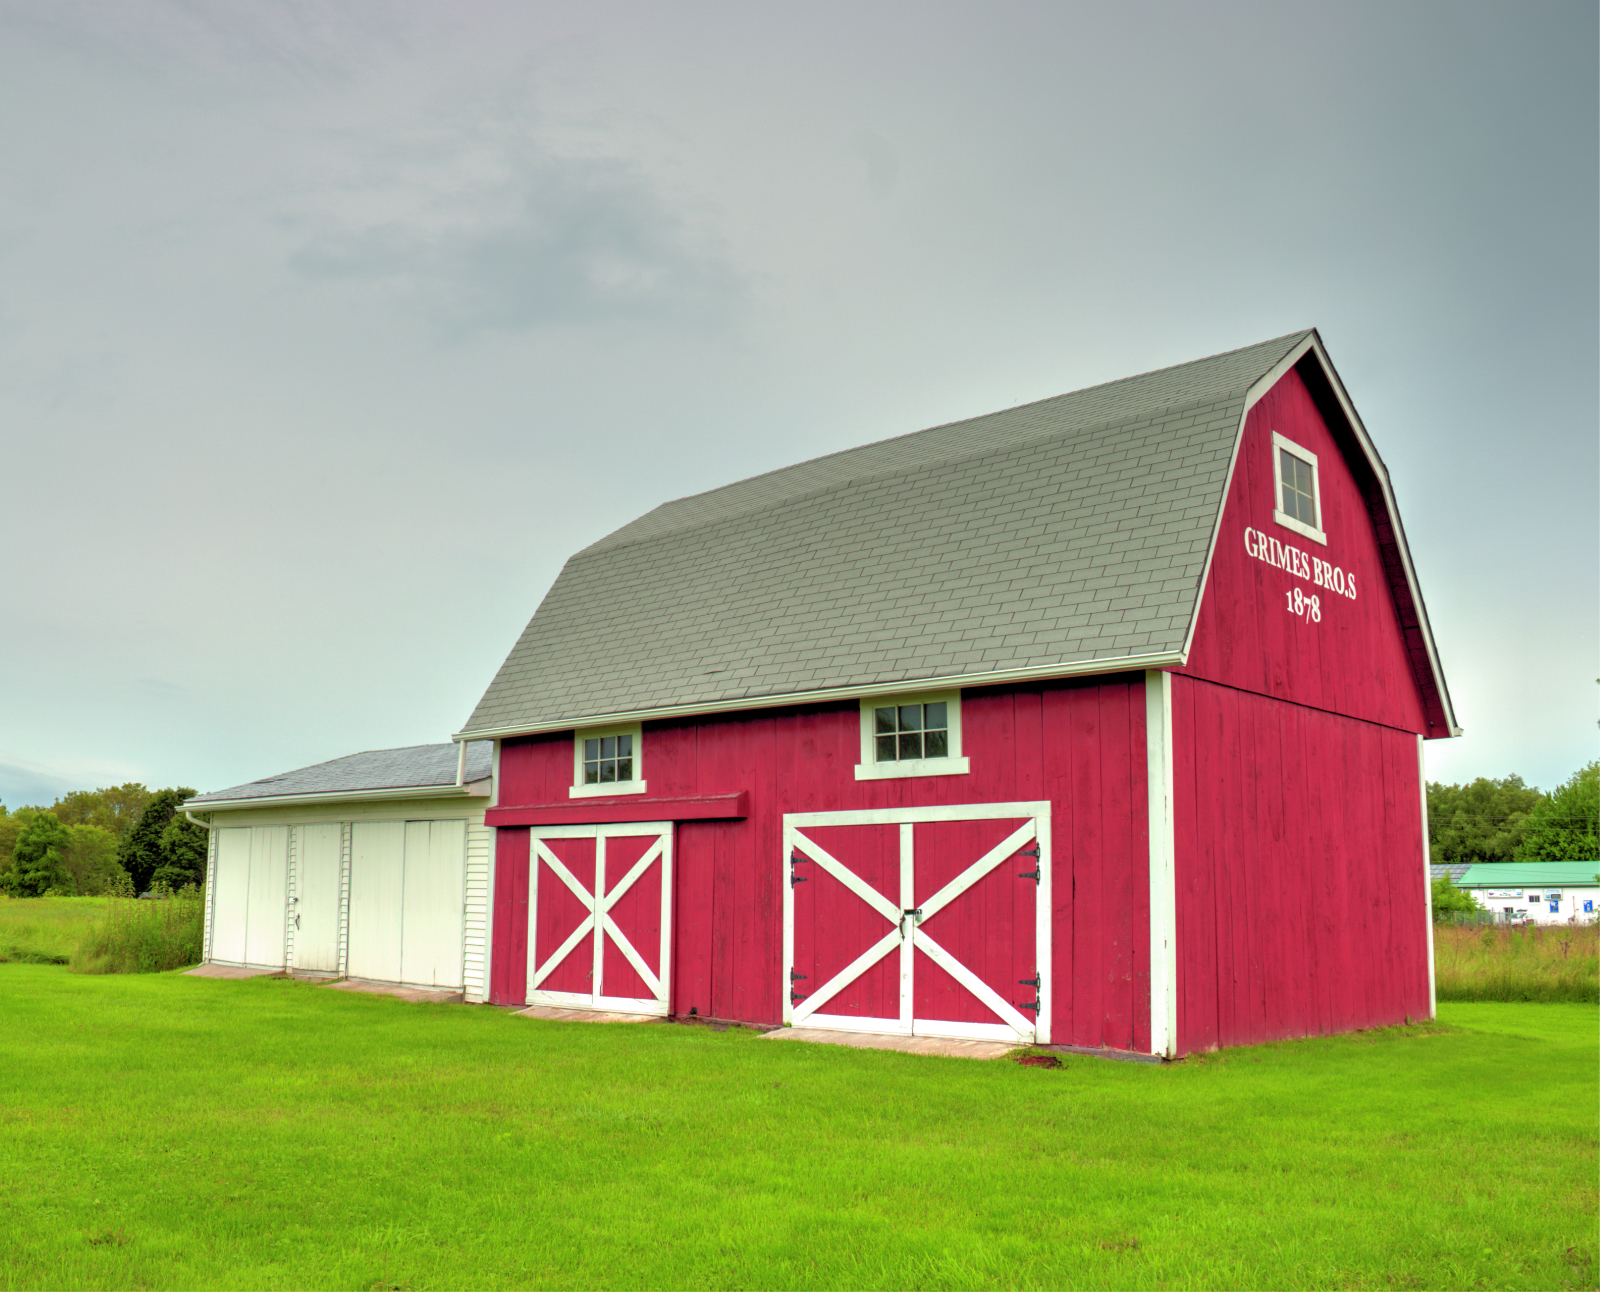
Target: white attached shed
(374,866)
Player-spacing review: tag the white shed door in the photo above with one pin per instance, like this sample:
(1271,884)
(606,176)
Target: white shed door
(269,895)
(430,941)
(230,899)
(316,906)
(377,892)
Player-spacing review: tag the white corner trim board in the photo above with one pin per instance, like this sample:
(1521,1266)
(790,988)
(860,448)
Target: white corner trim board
(1427,880)
(1163,886)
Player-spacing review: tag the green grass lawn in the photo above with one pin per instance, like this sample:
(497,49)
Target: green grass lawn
(167,1131)
(46,930)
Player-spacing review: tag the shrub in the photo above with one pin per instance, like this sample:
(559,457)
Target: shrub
(1450,901)
(1518,962)
(164,931)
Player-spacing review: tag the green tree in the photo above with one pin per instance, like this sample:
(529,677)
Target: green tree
(1566,825)
(114,808)
(91,860)
(183,852)
(1449,900)
(38,862)
(1482,821)
(140,851)
(11,825)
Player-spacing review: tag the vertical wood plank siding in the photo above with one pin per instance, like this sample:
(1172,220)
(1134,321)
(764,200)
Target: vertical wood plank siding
(1299,909)
(1355,661)
(1080,745)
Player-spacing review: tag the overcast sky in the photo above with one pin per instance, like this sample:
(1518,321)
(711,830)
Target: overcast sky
(329,330)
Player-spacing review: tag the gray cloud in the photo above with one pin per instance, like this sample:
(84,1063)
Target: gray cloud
(568,240)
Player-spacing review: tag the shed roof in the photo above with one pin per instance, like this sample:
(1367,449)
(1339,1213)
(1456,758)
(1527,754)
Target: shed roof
(1067,535)
(414,767)
(1531,874)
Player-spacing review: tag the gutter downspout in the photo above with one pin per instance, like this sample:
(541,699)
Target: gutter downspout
(206,825)
(461,763)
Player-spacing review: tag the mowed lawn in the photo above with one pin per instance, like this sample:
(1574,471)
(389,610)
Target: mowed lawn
(165,1131)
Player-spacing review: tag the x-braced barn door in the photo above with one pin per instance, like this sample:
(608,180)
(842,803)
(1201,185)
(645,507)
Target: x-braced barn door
(932,921)
(600,917)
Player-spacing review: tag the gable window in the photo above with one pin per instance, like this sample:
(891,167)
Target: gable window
(911,735)
(607,760)
(1297,499)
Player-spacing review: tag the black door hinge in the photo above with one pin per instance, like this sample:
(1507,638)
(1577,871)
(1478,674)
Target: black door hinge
(795,997)
(1028,982)
(795,859)
(1029,874)
(796,977)
(1028,1004)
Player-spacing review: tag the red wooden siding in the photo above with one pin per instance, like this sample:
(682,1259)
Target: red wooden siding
(1078,744)
(1300,886)
(1354,661)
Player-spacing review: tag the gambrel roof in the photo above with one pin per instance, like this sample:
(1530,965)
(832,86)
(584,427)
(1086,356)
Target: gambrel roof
(1070,535)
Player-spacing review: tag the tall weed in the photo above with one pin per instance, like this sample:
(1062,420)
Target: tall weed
(1518,962)
(164,931)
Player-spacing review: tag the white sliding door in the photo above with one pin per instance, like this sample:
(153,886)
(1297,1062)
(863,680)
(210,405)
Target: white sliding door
(231,899)
(316,906)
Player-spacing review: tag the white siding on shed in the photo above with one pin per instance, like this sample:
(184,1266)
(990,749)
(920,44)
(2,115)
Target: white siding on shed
(249,904)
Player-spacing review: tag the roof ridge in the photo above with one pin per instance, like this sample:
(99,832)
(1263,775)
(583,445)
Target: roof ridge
(614,542)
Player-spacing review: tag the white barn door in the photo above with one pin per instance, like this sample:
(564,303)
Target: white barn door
(434,909)
(316,898)
(230,903)
(377,892)
(408,902)
(251,902)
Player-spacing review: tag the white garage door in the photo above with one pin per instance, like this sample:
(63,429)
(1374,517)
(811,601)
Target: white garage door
(316,904)
(406,901)
(249,906)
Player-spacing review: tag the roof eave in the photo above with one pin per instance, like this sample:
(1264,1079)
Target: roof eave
(479,788)
(996,677)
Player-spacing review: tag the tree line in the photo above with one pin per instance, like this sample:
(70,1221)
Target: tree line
(124,838)
(1507,820)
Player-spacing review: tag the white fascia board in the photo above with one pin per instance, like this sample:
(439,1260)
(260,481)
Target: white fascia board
(1042,673)
(473,789)
(1313,344)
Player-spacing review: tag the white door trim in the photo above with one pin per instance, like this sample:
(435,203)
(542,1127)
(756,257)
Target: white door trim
(1163,878)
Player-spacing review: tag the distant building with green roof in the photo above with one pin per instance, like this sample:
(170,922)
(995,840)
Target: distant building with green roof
(1548,892)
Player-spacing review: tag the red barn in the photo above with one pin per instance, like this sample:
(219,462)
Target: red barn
(1092,722)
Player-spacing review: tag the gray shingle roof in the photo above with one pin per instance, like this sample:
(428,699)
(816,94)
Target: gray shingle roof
(1072,529)
(413,767)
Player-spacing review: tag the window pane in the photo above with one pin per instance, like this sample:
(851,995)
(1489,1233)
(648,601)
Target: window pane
(886,747)
(911,746)
(608,747)
(624,747)
(591,750)
(885,720)
(935,744)
(608,773)
(591,773)
(624,769)
(935,716)
(910,718)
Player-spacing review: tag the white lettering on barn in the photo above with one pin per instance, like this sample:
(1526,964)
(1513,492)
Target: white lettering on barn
(1301,564)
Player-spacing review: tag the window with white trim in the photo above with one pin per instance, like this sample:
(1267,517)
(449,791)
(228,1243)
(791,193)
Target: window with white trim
(607,760)
(911,735)
(1297,489)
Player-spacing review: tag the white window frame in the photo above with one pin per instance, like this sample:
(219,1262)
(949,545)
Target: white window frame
(1282,445)
(636,786)
(870,769)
